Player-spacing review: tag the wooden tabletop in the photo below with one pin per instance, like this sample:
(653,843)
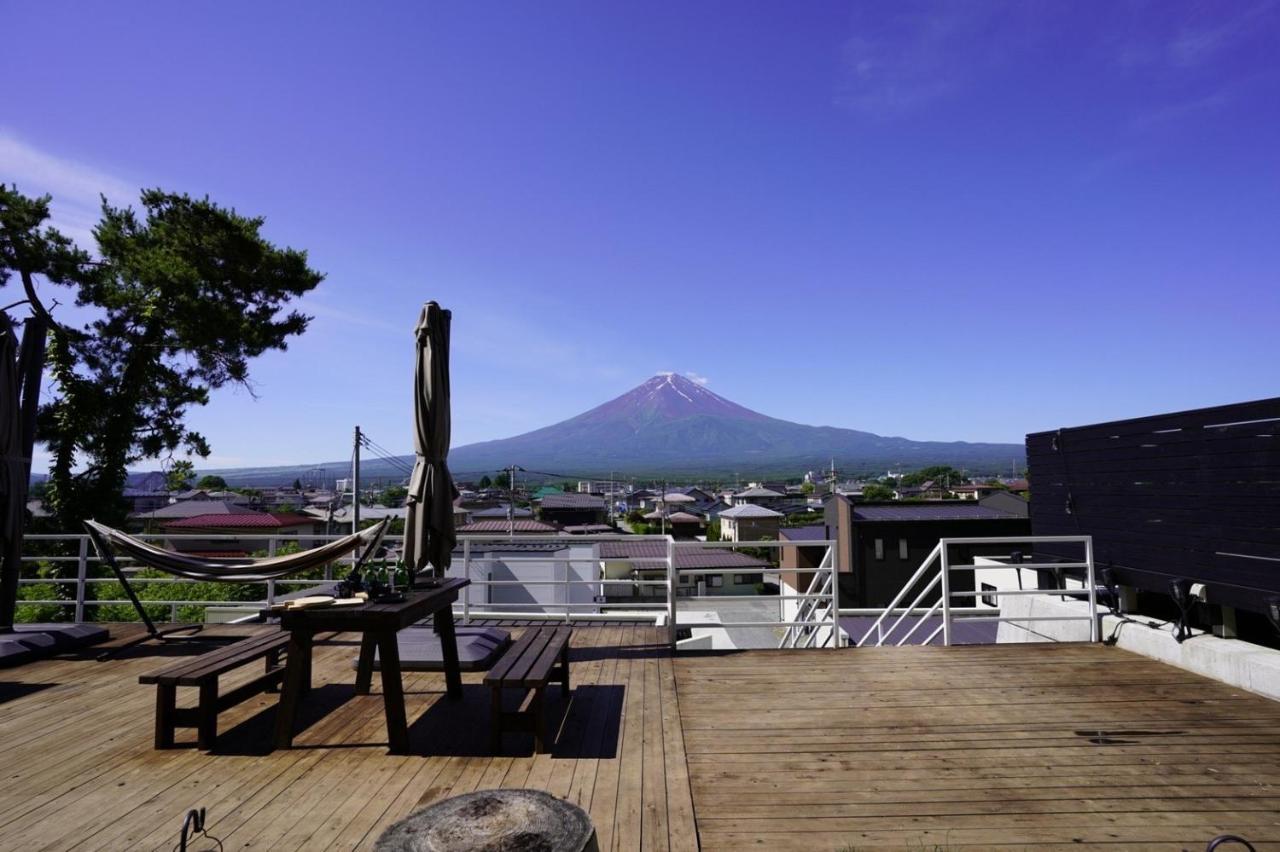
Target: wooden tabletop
(418,604)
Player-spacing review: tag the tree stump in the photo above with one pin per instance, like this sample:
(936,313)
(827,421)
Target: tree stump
(493,821)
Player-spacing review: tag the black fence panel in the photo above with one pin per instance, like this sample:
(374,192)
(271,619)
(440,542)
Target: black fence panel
(1192,495)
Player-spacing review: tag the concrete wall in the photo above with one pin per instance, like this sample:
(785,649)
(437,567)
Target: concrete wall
(1230,661)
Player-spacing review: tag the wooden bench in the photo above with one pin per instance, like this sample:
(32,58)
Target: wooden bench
(540,655)
(203,672)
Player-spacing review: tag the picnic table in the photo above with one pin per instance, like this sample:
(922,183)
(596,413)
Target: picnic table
(379,623)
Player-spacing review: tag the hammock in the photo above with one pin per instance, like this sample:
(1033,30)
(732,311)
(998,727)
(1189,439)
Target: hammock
(218,570)
(224,570)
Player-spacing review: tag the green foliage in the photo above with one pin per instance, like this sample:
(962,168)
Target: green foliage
(502,480)
(393,496)
(943,474)
(875,491)
(713,531)
(209,482)
(297,485)
(485,482)
(807,488)
(805,519)
(185,297)
(178,477)
(36,613)
(170,591)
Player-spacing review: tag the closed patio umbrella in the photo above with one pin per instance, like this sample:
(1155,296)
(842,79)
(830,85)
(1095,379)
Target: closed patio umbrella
(428,531)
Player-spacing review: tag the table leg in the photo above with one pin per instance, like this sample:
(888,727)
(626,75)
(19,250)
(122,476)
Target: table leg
(364,669)
(297,677)
(449,648)
(393,692)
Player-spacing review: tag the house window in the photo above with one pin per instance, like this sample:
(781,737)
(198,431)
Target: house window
(902,549)
(747,579)
(715,581)
(880,548)
(990,600)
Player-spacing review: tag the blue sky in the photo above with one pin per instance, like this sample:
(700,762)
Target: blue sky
(963,220)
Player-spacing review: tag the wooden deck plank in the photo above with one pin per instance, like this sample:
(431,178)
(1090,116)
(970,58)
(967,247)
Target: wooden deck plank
(1002,745)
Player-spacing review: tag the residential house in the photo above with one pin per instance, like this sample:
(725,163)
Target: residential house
(572,509)
(731,573)
(757,496)
(249,532)
(880,546)
(524,526)
(749,522)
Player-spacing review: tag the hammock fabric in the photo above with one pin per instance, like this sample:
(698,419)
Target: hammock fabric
(234,570)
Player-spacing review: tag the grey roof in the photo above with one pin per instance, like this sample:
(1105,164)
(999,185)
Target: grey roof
(949,511)
(687,558)
(813,533)
(572,501)
(759,492)
(500,512)
(749,511)
(194,508)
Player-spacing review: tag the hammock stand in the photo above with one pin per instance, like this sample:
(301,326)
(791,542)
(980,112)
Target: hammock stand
(216,570)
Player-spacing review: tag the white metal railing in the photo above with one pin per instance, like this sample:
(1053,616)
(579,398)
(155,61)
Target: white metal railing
(566,581)
(821,605)
(940,557)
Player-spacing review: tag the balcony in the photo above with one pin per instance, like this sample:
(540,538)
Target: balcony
(666,746)
(784,749)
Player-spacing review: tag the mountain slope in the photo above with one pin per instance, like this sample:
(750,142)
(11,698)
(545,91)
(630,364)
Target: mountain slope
(672,423)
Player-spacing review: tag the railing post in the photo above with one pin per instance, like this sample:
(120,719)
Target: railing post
(1093,589)
(466,575)
(271,584)
(568,607)
(82,574)
(835,599)
(946,594)
(671,591)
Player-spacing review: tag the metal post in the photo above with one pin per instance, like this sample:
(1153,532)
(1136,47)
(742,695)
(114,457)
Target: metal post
(466,575)
(82,573)
(946,595)
(671,590)
(835,599)
(568,607)
(355,485)
(1093,589)
(271,584)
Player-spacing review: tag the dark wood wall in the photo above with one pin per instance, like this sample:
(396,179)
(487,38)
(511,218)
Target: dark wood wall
(1194,495)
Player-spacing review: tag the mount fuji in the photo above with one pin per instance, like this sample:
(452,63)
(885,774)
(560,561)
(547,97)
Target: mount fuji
(671,423)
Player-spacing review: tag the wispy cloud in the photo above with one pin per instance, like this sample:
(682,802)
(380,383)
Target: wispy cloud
(917,53)
(696,378)
(76,187)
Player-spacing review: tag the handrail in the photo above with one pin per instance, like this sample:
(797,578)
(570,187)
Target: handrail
(941,554)
(571,585)
(924,566)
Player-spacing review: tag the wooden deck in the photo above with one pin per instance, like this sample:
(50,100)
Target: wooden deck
(857,749)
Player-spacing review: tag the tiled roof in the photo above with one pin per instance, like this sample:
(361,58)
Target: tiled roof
(759,492)
(195,508)
(234,520)
(949,511)
(683,518)
(813,533)
(572,501)
(499,527)
(687,558)
(749,511)
(501,512)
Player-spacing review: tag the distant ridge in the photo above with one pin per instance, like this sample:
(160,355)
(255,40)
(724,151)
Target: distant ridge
(672,425)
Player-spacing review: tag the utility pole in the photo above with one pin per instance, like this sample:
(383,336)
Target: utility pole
(663,504)
(355,485)
(511,501)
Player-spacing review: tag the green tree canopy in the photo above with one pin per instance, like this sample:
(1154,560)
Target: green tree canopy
(178,477)
(209,482)
(187,294)
(502,480)
(393,496)
(485,482)
(943,474)
(876,491)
